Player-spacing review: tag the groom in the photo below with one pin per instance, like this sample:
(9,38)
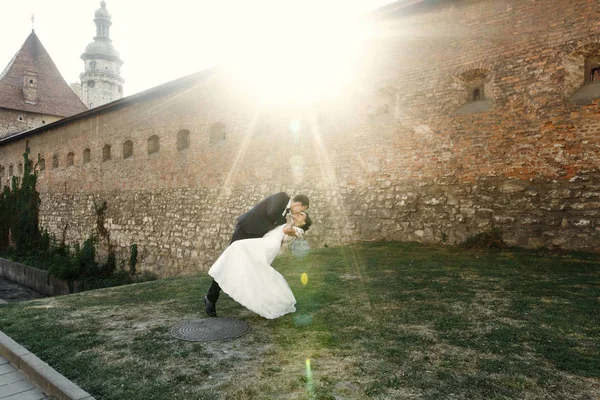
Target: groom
(263,217)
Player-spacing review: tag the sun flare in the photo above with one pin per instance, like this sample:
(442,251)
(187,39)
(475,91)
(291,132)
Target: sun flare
(305,56)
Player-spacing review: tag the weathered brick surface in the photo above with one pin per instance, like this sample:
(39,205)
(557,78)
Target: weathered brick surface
(528,165)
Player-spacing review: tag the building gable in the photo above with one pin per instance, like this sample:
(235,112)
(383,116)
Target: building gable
(32,83)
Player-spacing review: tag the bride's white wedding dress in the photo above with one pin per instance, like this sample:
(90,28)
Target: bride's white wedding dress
(244,272)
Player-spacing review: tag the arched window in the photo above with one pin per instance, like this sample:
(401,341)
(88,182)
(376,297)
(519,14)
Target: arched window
(217,133)
(153,144)
(106,152)
(10,171)
(20,169)
(55,161)
(183,139)
(70,159)
(87,156)
(127,149)
(42,164)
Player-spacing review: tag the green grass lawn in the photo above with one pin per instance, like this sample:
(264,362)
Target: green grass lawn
(379,320)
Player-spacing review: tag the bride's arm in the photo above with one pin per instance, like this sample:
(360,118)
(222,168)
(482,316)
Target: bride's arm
(288,229)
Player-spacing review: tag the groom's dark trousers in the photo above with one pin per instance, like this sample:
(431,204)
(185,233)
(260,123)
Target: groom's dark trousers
(263,217)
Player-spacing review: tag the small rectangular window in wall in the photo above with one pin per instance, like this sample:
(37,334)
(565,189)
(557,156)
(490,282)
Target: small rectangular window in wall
(595,75)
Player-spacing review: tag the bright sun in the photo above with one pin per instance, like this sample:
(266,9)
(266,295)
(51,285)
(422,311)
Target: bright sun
(306,55)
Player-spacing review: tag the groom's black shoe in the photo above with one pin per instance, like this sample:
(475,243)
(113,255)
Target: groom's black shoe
(211,310)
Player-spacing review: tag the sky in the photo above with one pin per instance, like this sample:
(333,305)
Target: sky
(162,41)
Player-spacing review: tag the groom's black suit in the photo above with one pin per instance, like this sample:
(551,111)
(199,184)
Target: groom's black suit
(260,219)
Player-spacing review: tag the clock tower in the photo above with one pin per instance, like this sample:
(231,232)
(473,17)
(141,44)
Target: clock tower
(101,80)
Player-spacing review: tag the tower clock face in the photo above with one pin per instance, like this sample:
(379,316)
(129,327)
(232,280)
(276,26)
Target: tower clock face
(92,64)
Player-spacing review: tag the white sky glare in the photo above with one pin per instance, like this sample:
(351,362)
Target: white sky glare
(162,41)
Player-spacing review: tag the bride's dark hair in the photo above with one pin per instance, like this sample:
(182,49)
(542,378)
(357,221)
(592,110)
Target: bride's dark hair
(307,222)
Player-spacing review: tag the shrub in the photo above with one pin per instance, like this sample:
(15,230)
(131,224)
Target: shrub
(133,258)
(484,240)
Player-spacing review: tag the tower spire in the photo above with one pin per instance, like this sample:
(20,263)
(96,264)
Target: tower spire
(32,23)
(101,80)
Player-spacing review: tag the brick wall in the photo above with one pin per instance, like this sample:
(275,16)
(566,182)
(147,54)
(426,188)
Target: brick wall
(397,163)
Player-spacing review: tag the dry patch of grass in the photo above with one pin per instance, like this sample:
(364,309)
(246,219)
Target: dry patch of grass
(376,321)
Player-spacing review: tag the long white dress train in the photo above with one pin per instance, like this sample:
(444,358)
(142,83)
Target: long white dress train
(244,272)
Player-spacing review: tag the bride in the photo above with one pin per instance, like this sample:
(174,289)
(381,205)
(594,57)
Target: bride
(244,270)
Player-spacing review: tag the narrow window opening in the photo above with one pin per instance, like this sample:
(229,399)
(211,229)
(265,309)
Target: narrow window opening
(127,149)
(106,152)
(153,144)
(70,159)
(183,139)
(55,161)
(217,133)
(595,75)
(87,155)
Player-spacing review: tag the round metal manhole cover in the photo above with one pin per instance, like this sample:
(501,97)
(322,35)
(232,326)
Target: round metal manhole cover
(210,329)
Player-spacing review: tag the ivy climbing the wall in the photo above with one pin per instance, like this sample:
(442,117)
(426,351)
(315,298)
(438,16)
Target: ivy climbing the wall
(22,240)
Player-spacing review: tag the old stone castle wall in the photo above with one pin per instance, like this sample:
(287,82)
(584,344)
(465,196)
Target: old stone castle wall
(398,163)
(12,121)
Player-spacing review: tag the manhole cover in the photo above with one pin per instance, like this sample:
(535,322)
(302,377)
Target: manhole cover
(209,329)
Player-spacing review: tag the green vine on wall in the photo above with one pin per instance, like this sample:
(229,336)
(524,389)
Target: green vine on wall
(22,240)
(19,212)
(102,231)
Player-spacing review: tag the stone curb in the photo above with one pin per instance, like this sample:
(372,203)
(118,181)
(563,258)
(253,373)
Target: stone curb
(40,373)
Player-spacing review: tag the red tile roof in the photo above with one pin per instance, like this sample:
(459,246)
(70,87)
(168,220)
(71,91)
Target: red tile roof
(54,96)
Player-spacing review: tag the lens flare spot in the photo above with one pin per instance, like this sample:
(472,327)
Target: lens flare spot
(295,126)
(300,248)
(302,320)
(304,278)
(309,381)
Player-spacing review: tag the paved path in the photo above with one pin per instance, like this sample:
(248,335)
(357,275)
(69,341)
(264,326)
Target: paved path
(11,291)
(15,386)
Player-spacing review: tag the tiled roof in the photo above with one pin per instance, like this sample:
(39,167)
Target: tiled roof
(54,96)
(183,83)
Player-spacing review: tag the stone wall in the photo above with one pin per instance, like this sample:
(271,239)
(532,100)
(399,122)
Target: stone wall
(183,231)
(394,160)
(35,279)
(533,59)
(12,121)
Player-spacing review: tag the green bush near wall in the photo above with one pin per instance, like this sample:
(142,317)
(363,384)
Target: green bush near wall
(22,240)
